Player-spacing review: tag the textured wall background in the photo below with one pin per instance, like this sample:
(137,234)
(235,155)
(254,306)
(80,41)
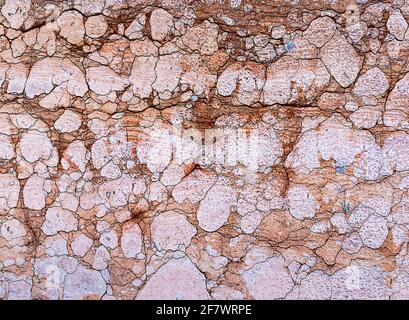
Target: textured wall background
(204,149)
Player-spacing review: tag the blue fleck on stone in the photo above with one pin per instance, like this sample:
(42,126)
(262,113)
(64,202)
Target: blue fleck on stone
(194,98)
(289,46)
(340,168)
(345,207)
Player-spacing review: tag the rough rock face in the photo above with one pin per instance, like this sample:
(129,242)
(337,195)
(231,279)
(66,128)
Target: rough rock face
(204,149)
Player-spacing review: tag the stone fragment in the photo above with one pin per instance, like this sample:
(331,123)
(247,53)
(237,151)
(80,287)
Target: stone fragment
(58,219)
(103,80)
(248,79)
(202,38)
(161,23)
(291,81)
(398,98)
(371,83)
(101,258)
(81,245)
(397,24)
(374,232)
(7,151)
(47,73)
(268,280)
(194,187)
(320,31)
(341,59)
(131,240)
(109,239)
(171,231)
(316,286)
(277,32)
(69,121)
(12,229)
(215,208)
(35,145)
(360,283)
(143,76)
(9,192)
(84,283)
(33,193)
(16,12)
(177,279)
(74,157)
(134,30)
(302,204)
(71,24)
(96,26)
(186,150)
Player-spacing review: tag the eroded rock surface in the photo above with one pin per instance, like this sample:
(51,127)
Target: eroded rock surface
(204,149)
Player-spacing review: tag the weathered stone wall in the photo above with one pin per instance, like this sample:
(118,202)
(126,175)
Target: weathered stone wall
(204,149)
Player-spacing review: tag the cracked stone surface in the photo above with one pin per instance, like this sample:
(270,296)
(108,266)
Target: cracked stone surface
(204,149)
